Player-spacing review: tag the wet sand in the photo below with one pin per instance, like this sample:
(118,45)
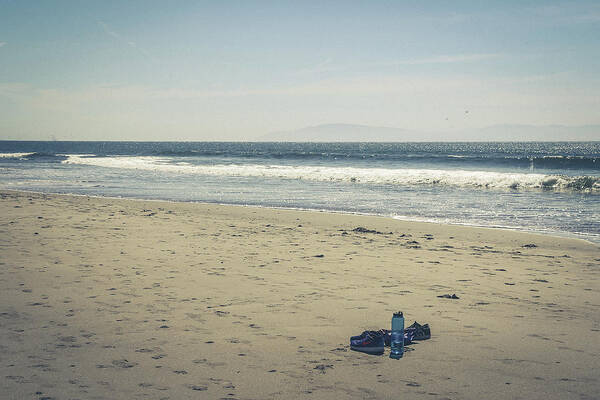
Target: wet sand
(121,299)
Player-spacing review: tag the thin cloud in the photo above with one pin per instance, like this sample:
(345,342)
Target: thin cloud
(109,31)
(322,67)
(327,66)
(586,18)
(446,59)
(114,34)
(2,44)
(568,14)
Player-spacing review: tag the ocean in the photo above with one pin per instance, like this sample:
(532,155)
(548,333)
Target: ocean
(543,187)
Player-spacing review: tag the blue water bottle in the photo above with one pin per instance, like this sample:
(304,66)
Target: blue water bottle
(397,336)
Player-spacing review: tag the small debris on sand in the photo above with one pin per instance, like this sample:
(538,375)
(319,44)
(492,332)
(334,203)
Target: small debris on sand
(449,296)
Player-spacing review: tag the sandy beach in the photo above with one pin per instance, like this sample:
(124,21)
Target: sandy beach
(105,298)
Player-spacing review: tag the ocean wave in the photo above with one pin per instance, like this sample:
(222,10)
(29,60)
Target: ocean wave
(524,161)
(388,176)
(562,162)
(555,156)
(44,155)
(34,156)
(17,156)
(551,157)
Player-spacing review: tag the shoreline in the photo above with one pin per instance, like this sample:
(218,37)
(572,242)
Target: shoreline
(558,235)
(116,298)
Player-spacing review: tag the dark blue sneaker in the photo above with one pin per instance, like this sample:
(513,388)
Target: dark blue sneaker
(365,333)
(370,342)
(411,333)
(421,332)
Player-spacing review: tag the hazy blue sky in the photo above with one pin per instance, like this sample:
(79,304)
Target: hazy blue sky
(206,70)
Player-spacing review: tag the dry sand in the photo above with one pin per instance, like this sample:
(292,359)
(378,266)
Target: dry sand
(120,299)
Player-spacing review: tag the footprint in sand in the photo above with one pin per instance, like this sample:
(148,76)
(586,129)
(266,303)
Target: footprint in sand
(144,351)
(323,367)
(200,388)
(123,363)
(206,362)
(18,379)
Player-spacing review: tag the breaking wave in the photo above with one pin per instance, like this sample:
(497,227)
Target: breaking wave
(15,155)
(35,156)
(386,176)
(346,151)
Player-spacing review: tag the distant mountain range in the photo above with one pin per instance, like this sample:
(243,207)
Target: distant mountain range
(364,133)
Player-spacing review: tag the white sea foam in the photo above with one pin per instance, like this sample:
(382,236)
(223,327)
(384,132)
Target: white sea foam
(390,176)
(15,155)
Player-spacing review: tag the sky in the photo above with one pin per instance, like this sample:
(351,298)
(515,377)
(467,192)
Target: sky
(236,70)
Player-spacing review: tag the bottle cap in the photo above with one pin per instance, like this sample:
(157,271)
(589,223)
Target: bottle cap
(398,314)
